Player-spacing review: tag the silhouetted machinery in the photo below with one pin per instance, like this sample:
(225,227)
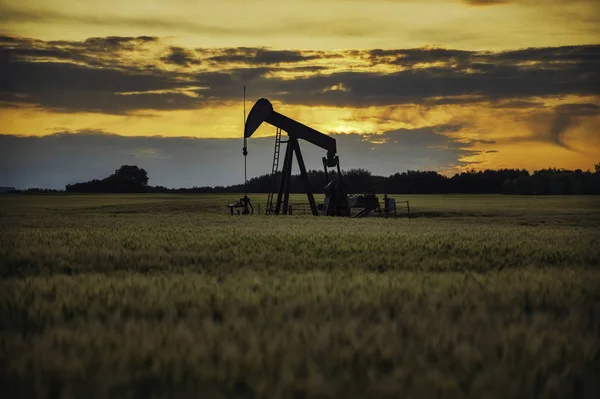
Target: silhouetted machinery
(244,203)
(338,201)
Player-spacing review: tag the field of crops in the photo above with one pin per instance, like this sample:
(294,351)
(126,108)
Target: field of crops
(169,296)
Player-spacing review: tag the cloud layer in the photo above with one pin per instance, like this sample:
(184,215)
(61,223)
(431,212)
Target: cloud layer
(120,75)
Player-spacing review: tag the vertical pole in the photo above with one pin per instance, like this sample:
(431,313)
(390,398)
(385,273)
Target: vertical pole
(339,172)
(288,178)
(286,161)
(245,150)
(307,186)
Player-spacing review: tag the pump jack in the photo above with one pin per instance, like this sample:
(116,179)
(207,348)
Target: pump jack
(336,202)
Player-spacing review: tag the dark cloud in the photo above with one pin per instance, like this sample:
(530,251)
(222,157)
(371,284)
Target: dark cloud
(465,77)
(70,87)
(101,70)
(180,56)
(553,124)
(94,52)
(420,137)
(565,117)
(437,85)
(104,44)
(35,77)
(410,57)
(564,54)
(578,109)
(37,53)
(517,104)
(62,158)
(482,61)
(113,43)
(9,39)
(261,56)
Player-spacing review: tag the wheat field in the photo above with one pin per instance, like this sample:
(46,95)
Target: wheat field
(169,296)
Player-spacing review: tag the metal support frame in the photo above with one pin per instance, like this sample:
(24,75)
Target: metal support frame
(304,176)
(283,196)
(286,171)
(287,182)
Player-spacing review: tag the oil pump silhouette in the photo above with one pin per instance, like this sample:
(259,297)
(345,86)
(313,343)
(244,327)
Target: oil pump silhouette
(336,192)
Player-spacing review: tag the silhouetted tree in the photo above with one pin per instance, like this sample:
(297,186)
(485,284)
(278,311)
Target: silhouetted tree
(126,179)
(132,174)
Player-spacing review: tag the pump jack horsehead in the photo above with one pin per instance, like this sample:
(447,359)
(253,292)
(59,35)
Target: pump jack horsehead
(337,201)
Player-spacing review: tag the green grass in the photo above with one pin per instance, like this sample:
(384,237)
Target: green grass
(168,295)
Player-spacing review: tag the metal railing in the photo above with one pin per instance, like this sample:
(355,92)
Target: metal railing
(303,208)
(294,208)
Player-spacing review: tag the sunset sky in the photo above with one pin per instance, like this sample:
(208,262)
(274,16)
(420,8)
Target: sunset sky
(444,85)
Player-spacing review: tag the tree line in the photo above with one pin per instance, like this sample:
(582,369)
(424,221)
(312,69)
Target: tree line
(133,179)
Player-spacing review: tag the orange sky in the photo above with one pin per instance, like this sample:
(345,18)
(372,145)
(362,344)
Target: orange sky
(517,80)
